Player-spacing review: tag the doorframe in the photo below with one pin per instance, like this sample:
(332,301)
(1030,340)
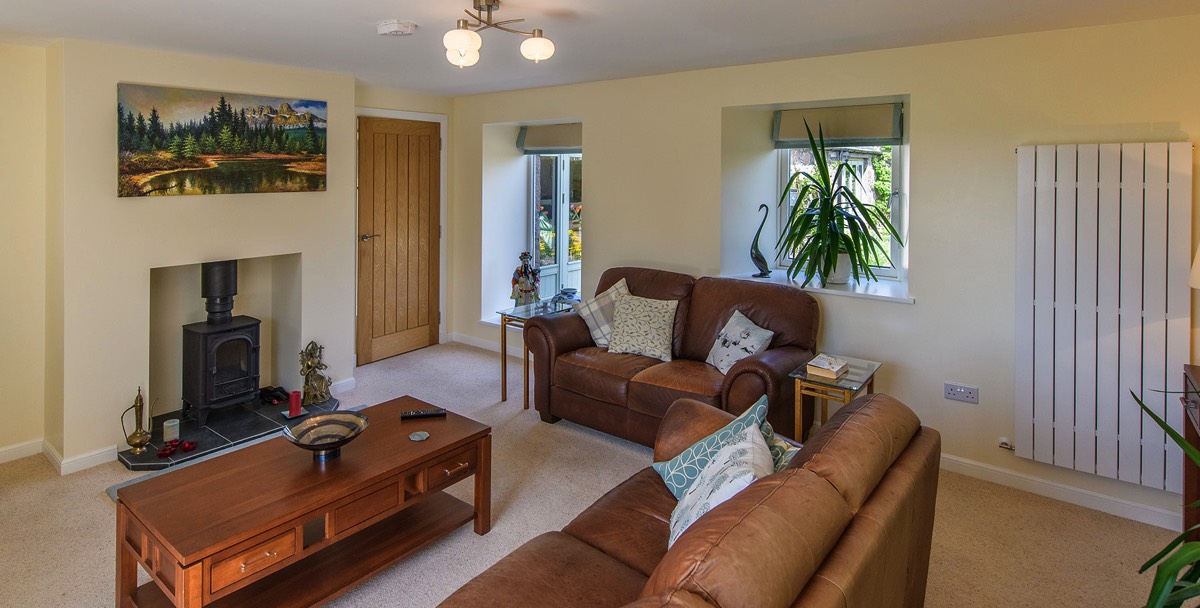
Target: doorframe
(443,122)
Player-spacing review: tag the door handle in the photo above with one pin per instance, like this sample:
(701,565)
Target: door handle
(366,237)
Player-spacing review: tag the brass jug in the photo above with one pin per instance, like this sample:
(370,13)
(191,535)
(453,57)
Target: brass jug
(138,439)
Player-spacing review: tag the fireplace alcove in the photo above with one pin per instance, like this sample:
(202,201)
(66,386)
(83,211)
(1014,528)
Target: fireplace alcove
(269,289)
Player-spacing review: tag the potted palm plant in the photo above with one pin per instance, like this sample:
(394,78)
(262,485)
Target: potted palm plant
(829,219)
(1177,577)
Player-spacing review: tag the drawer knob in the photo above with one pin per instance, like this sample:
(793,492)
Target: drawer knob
(265,556)
(461,466)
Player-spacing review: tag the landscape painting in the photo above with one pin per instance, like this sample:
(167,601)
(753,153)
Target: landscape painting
(173,141)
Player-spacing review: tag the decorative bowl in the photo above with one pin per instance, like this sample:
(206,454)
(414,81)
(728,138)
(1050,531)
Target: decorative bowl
(325,434)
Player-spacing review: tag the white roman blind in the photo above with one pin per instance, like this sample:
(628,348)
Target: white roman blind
(1103,306)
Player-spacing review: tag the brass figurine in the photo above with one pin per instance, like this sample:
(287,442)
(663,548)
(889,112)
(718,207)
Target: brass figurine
(140,437)
(316,384)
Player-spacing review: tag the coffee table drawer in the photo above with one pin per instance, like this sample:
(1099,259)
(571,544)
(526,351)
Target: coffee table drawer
(459,465)
(365,508)
(245,563)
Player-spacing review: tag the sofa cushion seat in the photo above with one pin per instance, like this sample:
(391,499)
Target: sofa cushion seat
(654,389)
(630,523)
(553,569)
(598,374)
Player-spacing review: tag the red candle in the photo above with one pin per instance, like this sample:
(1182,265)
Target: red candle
(294,404)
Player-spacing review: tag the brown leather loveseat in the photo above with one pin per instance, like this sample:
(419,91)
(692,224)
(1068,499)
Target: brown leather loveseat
(849,522)
(627,395)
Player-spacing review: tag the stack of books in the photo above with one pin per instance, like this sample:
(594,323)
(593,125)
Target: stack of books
(826,366)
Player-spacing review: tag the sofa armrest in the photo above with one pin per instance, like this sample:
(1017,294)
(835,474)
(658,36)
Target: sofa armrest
(766,373)
(686,422)
(547,337)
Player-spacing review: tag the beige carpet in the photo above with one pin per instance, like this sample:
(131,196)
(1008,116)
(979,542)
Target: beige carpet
(993,546)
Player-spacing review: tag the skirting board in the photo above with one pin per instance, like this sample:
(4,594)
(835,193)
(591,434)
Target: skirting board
(20,450)
(514,345)
(343,386)
(74,464)
(1155,516)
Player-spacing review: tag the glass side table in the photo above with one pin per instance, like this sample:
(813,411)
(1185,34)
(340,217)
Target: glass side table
(842,389)
(516,318)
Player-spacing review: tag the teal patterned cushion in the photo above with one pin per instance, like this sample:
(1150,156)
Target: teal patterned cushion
(680,472)
(731,469)
(781,451)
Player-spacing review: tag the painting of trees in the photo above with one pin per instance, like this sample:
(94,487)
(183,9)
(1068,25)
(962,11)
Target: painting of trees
(209,142)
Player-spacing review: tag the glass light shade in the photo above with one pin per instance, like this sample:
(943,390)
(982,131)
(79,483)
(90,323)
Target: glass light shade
(537,48)
(462,40)
(462,59)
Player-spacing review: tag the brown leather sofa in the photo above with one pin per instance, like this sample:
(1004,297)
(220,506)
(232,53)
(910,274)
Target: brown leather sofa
(848,523)
(626,395)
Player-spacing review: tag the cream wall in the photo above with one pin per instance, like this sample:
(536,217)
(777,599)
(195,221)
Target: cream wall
(407,101)
(654,190)
(22,245)
(505,212)
(749,178)
(109,245)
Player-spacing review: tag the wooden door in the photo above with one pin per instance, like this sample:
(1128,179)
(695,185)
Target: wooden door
(399,193)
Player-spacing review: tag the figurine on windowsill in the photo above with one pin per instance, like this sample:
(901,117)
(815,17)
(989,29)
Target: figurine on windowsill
(316,384)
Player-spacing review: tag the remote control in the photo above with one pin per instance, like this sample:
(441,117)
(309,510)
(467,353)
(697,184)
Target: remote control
(422,413)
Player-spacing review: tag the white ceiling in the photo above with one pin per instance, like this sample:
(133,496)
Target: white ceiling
(598,40)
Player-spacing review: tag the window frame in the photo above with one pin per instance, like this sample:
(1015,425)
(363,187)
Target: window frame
(561,186)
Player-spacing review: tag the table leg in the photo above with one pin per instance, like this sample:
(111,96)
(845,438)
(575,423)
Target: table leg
(127,564)
(525,351)
(483,487)
(503,358)
(824,410)
(798,436)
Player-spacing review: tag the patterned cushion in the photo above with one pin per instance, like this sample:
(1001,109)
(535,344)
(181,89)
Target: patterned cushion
(598,312)
(735,466)
(739,339)
(680,472)
(781,451)
(642,326)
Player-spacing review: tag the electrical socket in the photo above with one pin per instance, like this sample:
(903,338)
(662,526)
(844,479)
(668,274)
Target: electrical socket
(962,392)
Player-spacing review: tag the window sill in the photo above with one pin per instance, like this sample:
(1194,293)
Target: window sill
(886,290)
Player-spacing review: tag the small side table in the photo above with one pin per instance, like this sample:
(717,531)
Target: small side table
(843,389)
(516,318)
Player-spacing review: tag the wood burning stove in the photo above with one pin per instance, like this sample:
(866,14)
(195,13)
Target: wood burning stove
(220,355)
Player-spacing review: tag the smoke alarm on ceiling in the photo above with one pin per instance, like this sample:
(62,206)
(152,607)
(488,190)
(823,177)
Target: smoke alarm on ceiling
(396,27)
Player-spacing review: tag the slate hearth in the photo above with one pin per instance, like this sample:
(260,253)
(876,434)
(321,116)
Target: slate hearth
(226,427)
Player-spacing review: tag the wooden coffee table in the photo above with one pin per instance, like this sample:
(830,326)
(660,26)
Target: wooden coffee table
(267,526)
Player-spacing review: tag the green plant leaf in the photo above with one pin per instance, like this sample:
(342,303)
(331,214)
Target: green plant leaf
(1168,571)
(1167,549)
(1192,453)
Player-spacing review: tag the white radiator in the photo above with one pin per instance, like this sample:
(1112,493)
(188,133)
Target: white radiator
(1103,306)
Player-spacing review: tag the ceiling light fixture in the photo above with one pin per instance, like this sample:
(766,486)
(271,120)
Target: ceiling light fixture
(463,42)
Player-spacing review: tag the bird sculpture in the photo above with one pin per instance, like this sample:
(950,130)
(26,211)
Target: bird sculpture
(756,256)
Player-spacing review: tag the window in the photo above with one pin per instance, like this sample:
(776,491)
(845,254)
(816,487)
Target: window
(870,139)
(876,167)
(556,220)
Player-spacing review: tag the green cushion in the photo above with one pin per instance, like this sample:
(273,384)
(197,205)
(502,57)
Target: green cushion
(680,472)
